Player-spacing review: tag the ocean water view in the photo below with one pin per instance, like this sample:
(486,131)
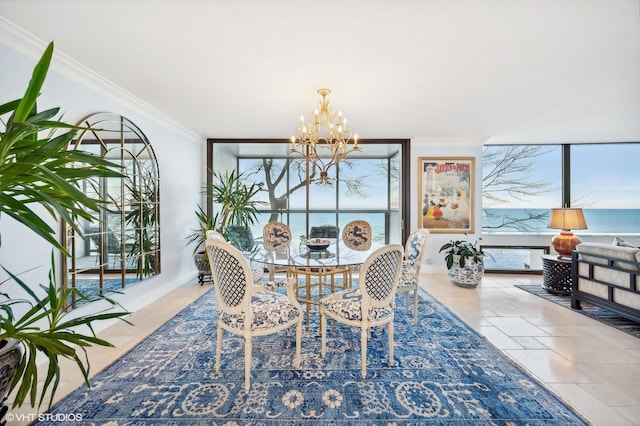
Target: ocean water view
(494,221)
(599,222)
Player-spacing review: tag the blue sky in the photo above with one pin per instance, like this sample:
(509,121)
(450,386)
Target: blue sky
(603,176)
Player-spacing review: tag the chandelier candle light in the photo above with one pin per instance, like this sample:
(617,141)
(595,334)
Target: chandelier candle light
(324,140)
(566,219)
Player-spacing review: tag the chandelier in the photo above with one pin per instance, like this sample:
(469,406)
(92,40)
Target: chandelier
(325,139)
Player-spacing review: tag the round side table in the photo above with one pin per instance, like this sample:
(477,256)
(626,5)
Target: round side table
(556,274)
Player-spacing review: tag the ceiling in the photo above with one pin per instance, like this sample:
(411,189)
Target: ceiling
(486,71)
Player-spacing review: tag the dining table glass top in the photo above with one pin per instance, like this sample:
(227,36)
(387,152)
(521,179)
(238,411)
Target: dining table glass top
(298,254)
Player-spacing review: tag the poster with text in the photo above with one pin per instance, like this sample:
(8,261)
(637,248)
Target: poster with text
(445,194)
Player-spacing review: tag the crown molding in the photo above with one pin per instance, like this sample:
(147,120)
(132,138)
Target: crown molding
(29,45)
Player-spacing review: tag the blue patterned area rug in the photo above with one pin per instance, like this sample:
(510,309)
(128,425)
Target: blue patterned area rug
(445,373)
(605,316)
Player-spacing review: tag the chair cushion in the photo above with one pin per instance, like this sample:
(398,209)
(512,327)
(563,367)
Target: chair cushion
(347,304)
(407,277)
(275,284)
(269,310)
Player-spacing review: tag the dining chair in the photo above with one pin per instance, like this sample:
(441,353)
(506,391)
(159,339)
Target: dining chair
(324,231)
(247,309)
(357,235)
(276,237)
(257,273)
(370,304)
(414,250)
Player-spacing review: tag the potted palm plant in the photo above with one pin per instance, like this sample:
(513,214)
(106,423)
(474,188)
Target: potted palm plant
(239,208)
(465,262)
(198,237)
(36,168)
(239,211)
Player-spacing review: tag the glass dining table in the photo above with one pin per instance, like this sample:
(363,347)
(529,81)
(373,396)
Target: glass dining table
(318,271)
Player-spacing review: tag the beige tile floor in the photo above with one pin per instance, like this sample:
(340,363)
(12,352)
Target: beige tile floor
(594,368)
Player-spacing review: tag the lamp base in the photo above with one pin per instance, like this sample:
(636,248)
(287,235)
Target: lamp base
(565,243)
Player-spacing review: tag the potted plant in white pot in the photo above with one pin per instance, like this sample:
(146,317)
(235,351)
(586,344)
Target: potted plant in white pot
(36,168)
(465,262)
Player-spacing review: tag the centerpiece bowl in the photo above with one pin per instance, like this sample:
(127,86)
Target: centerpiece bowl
(318,244)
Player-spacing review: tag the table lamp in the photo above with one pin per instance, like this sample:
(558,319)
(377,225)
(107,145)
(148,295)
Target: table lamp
(566,219)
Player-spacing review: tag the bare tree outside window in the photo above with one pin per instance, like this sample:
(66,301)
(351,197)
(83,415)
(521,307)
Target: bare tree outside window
(512,177)
(282,178)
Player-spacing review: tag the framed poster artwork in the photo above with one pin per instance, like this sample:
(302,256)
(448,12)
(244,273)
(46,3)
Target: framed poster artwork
(445,194)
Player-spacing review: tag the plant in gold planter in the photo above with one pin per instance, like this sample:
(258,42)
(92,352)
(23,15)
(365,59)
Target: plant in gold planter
(465,262)
(36,168)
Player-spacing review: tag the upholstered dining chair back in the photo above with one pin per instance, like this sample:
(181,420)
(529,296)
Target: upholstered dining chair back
(357,235)
(379,276)
(211,233)
(414,251)
(231,275)
(414,248)
(324,231)
(276,236)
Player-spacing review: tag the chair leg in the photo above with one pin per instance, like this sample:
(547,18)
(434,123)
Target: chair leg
(415,305)
(406,300)
(323,333)
(272,272)
(219,348)
(296,362)
(247,362)
(363,350)
(390,333)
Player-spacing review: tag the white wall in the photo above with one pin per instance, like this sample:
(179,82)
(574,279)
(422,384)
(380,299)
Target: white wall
(443,147)
(179,154)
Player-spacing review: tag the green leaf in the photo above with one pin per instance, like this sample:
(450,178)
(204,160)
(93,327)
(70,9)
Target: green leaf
(28,102)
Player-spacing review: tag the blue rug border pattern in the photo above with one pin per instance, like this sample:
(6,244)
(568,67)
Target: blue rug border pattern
(444,373)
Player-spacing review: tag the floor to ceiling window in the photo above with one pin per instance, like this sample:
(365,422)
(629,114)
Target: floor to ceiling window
(605,182)
(521,183)
(367,185)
